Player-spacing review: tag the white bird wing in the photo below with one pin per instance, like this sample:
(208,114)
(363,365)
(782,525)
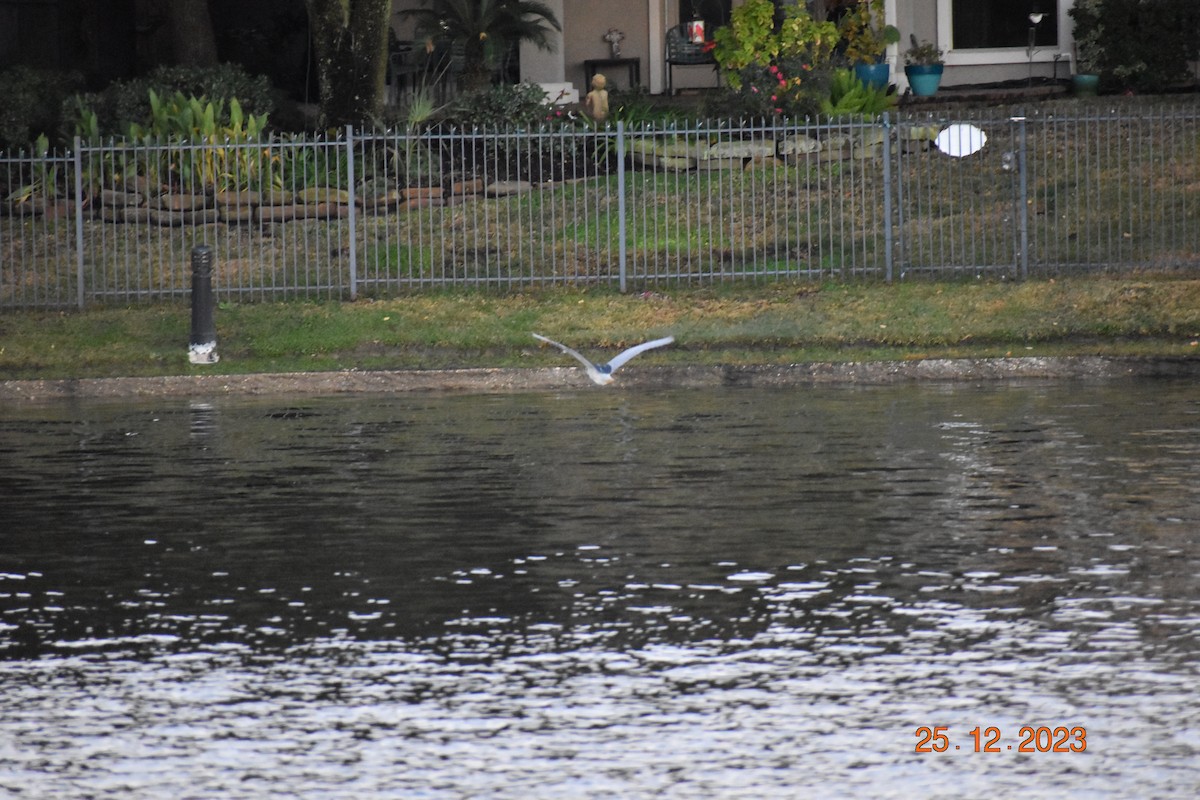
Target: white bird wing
(578,357)
(621,358)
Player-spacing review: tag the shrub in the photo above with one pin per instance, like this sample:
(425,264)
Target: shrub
(773,70)
(790,89)
(1134,44)
(32,104)
(126,102)
(866,33)
(519,105)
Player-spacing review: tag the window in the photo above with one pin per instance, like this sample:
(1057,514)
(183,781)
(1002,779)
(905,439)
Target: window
(1002,23)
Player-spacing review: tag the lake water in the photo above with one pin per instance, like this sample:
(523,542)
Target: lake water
(718,593)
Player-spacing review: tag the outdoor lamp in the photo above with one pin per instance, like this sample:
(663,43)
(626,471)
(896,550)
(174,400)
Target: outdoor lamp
(1035,17)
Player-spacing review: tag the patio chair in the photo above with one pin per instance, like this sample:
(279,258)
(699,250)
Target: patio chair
(683,52)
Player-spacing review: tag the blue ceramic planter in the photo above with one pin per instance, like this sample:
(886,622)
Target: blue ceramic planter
(874,75)
(1085,85)
(924,78)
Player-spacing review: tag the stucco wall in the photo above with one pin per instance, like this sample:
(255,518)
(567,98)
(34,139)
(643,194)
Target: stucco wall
(644,23)
(929,21)
(585,24)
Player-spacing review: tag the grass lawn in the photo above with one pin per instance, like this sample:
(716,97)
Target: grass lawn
(776,323)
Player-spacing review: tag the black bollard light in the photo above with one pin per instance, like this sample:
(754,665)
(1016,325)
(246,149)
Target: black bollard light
(203,347)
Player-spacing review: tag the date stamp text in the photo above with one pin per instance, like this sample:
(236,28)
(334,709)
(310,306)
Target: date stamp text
(1030,739)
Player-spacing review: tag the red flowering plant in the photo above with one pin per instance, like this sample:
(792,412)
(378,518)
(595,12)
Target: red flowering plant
(786,89)
(769,71)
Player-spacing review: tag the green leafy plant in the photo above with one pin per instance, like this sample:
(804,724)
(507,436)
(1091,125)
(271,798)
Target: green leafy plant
(752,40)
(413,159)
(1089,34)
(866,33)
(850,96)
(220,163)
(483,32)
(296,164)
(772,69)
(197,119)
(84,121)
(748,38)
(410,160)
(43,180)
(633,106)
(922,53)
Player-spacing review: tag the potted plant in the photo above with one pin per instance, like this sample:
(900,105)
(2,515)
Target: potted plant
(867,36)
(923,67)
(1088,32)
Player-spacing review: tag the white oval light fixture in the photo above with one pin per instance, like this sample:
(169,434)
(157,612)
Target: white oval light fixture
(960,140)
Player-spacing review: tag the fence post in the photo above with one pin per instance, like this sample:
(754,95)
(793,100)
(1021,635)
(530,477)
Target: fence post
(888,233)
(203,344)
(79,222)
(350,215)
(621,257)
(1022,209)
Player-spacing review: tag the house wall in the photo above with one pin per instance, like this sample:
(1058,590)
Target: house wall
(645,22)
(545,66)
(584,26)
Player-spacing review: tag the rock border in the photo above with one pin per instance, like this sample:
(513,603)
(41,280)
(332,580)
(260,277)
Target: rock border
(484,380)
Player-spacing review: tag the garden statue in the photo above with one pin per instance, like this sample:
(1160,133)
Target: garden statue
(596,102)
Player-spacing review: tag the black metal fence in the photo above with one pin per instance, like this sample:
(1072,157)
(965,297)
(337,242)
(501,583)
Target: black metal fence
(1059,190)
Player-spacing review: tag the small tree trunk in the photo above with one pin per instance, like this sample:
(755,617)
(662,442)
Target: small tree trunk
(192,39)
(350,38)
(476,78)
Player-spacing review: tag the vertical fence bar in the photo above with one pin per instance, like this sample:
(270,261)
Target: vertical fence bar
(1023,161)
(621,204)
(79,223)
(351,217)
(900,172)
(888,258)
(1021,205)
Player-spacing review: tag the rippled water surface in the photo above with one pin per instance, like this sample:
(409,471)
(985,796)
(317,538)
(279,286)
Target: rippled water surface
(604,594)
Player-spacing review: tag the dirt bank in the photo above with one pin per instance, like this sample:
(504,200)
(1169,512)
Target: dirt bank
(548,379)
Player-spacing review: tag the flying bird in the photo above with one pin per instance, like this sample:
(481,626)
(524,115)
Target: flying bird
(602,374)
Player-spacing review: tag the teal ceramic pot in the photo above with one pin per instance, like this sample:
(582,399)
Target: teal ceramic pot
(874,75)
(924,78)
(1085,85)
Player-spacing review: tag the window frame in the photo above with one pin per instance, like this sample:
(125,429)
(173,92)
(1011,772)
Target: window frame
(984,56)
